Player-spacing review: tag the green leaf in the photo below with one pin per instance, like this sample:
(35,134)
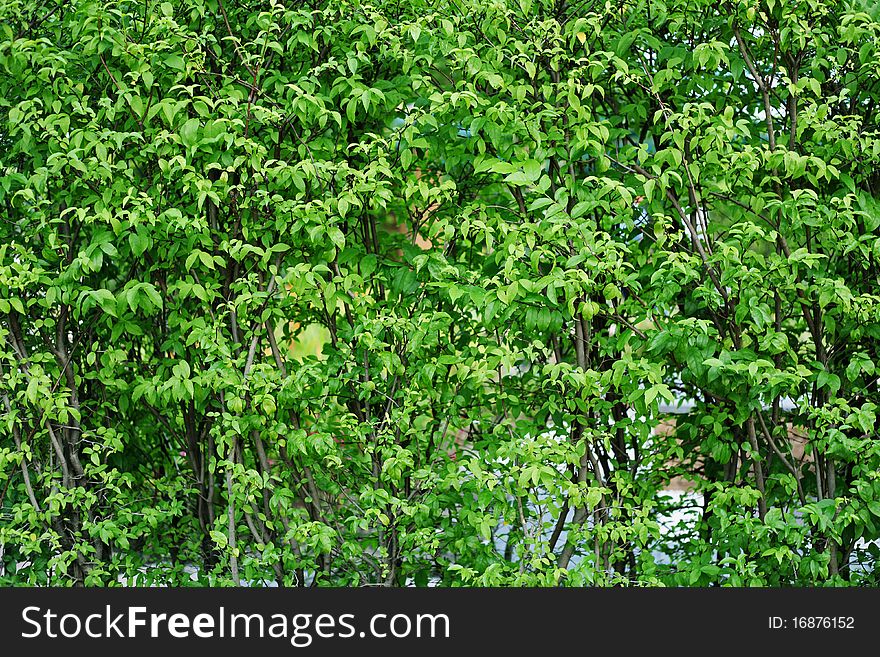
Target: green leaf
(189,132)
(175,62)
(139,243)
(532,170)
(219,539)
(336,237)
(153,295)
(107,301)
(827,380)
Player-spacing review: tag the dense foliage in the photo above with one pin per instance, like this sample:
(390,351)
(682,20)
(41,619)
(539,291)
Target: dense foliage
(346,293)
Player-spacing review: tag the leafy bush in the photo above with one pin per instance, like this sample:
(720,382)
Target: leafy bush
(396,293)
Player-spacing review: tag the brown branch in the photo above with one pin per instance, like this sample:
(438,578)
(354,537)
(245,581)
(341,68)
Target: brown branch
(758,468)
(769,437)
(762,85)
(122,92)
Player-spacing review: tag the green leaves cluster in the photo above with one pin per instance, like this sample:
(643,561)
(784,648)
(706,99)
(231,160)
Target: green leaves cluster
(396,293)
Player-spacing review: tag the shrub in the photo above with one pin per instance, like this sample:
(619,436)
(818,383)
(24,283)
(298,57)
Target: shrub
(405,292)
